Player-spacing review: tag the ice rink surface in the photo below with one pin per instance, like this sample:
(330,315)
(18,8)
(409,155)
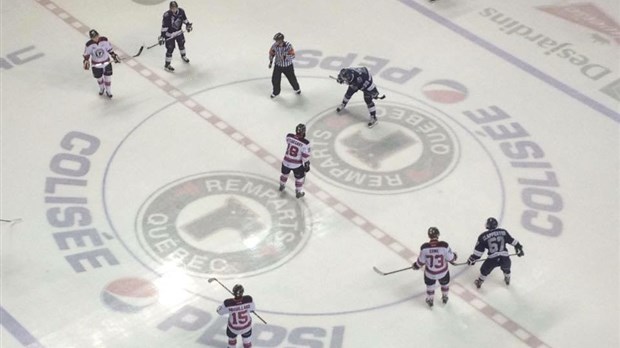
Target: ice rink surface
(128,206)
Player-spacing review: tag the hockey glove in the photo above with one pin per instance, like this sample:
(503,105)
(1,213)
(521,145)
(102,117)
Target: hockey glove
(454,258)
(270,63)
(415,266)
(307,166)
(471,260)
(188,27)
(115,57)
(161,40)
(519,249)
(86,64)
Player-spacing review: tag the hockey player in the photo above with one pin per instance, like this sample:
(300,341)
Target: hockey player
(239,309)
(297,159)
(283,53)
(494,240)
(171,31)
(434,257)
(97,54)
(359,79)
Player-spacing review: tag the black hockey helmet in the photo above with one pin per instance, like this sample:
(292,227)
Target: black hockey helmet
(93,33)
(491,223)
(346,75)
(278,37)
(301,129)
(173,4)
(238,290)
(433,233)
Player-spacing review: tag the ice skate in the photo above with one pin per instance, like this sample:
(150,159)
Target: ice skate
(478,283)
(273,95)
(507,279)
(108,94)
(372,122)
(341,107)
(299,194)
(281,188)
(298,91)
(429,302)
(101,90)
(185,59)
(444,299)
(168,67)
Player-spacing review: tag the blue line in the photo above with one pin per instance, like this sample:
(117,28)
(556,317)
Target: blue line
(17,330)
(614,115)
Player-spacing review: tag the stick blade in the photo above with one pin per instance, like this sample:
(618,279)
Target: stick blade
(377,270)
(210,280)
(139,51)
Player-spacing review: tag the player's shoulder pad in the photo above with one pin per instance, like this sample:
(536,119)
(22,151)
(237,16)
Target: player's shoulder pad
(305,141)
(425,245)
(443,244)
(103,38)
(247,299)
(90,42)
(230,302)
(167,13)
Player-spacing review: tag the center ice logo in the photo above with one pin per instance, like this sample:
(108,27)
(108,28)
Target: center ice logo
(222,224)
(410,150)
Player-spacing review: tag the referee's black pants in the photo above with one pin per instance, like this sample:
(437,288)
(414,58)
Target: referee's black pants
(289,72)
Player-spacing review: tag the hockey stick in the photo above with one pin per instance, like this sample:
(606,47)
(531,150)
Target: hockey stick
(377,97)
(175,34)
(392,272)
(464,263)
(139,51)
(224,286)
(11,221)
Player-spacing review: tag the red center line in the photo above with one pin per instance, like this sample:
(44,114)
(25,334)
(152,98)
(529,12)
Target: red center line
(381,236)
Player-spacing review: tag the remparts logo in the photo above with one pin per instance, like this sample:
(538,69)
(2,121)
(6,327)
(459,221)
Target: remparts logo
(410,149)
(222,224)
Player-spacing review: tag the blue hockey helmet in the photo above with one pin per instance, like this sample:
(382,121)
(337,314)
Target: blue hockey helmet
(491,223)
(346,75)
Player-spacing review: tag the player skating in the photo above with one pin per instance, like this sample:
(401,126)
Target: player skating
(359,79)
(239,309)
(434,257)
(97,55)
(171,32)
(296,159)
(494,240)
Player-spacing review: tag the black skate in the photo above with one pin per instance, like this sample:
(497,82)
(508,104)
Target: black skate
(478,283)
(507,279)
(185,59)
(298,91)
(281,188)
(429,302)
(101,90)
(108,94)
(168,68)
(373,122)
(341,107)
(299,194)
(444,299)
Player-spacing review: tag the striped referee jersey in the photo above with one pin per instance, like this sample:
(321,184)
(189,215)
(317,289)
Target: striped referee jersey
(283,55)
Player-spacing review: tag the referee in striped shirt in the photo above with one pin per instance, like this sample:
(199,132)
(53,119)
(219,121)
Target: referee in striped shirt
(283,54)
